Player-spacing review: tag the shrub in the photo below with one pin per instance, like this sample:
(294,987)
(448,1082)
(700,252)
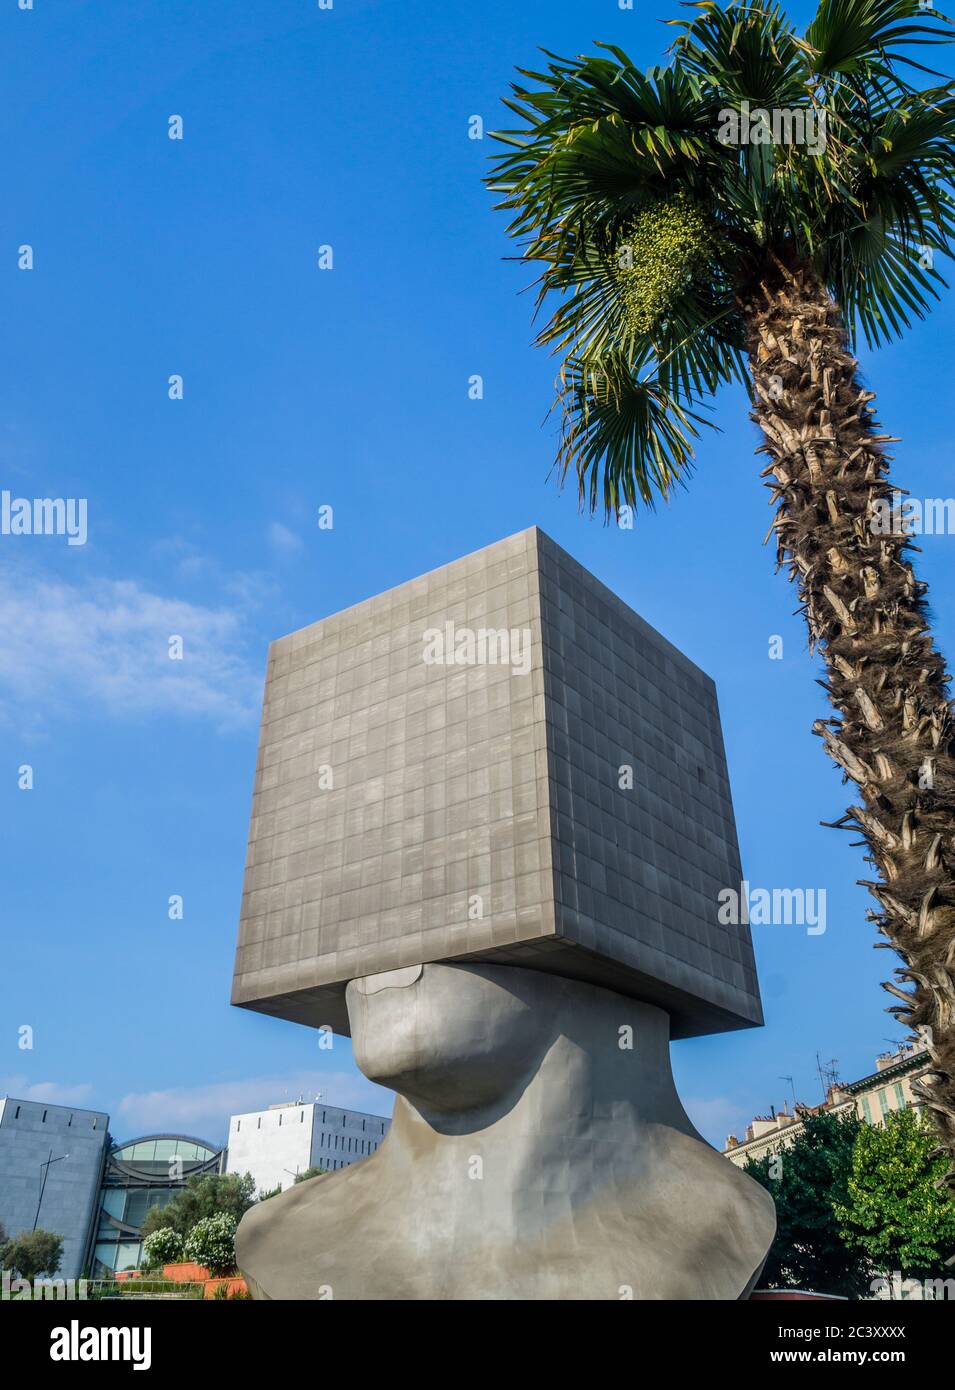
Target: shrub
(203,1195)
(162,1247)
(211,1243)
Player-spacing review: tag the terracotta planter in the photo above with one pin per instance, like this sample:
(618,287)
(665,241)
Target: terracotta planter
(187,1273)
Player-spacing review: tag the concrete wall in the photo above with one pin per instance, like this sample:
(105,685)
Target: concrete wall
(29,1130)
(274,1145)
(475,811)
(641,812)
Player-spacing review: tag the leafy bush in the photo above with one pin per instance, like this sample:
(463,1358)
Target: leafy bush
(203,1195)
(162,1247)
(314,1172)
(211,1243)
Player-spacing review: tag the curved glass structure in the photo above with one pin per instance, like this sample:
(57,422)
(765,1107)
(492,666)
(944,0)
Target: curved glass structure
(140,1174)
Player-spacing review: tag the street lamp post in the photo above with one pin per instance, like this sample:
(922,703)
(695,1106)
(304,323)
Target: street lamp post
(46,1169)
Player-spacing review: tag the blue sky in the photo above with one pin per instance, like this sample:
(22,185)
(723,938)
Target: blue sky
(305,127)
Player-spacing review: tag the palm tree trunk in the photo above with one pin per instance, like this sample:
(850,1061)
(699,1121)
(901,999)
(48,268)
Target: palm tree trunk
(892,734)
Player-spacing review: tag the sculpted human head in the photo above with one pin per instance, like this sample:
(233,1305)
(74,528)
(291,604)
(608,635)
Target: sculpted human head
(449,1037)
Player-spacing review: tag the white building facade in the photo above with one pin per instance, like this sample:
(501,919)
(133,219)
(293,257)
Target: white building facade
(872,1097)
(277,1144)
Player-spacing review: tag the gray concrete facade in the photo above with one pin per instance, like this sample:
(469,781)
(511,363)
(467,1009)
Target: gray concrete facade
(29,1131)
(557,800)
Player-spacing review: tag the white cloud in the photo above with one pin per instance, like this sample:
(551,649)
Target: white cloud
(282,539)
(106,642)
(204,1111)
(19,1088)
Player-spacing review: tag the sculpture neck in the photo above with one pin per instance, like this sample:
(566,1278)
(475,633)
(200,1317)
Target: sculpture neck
(604,1068)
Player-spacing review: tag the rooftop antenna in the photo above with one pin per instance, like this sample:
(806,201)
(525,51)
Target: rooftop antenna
(828,1073)
(792,1087)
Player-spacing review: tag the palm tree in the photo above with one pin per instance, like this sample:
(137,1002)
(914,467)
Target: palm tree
(746,213)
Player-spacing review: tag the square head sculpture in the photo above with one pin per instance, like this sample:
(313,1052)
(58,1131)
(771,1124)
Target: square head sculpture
(498,761)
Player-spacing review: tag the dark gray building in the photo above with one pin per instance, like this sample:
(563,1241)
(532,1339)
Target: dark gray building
(32,1133)
(497,761)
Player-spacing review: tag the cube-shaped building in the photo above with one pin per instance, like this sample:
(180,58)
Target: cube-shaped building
(498,761)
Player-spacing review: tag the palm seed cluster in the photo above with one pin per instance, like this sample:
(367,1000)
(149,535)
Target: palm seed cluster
(664,249)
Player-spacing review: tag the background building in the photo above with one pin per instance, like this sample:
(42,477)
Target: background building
(872,1097)
(138,1175)
(275,1145)
(31,1134)
(97,1193)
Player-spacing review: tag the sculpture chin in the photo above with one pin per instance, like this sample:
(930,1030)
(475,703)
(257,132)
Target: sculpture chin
(443,1036)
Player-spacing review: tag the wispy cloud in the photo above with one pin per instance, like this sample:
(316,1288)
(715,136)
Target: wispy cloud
(284,540)
(204,1111)
(107,642)
(50,1091)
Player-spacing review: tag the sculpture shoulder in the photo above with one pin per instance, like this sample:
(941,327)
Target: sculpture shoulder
(716,1224)
(281,1243)
(672,1220)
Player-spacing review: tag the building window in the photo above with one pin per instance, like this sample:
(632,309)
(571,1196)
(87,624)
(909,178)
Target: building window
(866,1110)
(884,1102)
(899,1095)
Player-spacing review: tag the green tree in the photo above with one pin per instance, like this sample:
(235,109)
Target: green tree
(896,1209)
(34,1254)
(806,1181)
(746,214)
(314,1172)
(203,1195)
